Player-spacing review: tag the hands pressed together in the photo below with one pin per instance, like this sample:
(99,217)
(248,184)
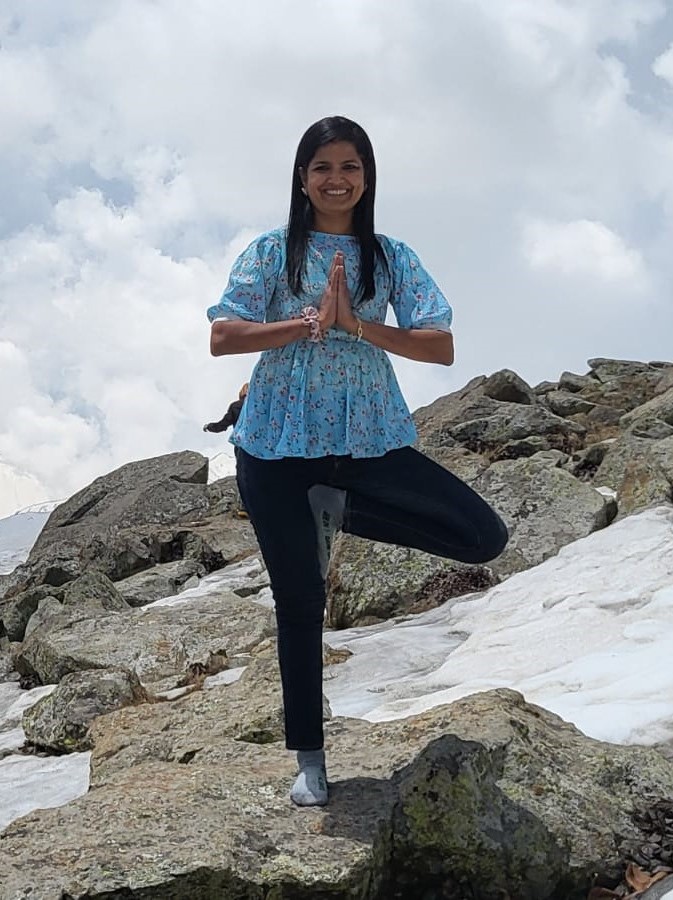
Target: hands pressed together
(335,305)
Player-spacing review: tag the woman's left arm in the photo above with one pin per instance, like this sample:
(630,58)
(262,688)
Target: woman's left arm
(421,344)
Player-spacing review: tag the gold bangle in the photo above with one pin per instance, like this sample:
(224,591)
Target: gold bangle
(359,331)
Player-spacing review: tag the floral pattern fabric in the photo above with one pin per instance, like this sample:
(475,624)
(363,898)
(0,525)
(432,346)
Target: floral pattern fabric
(339,396)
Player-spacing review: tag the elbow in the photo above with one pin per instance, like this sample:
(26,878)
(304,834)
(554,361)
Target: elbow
(218,340)
(446,355)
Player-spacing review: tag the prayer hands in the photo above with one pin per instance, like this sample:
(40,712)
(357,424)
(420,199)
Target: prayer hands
(344,318)
(335,306)
(327,314)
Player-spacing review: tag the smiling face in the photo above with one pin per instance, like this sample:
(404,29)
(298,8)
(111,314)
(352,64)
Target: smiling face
(334,181)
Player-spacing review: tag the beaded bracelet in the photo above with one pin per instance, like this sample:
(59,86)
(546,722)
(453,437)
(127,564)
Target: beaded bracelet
(309,316)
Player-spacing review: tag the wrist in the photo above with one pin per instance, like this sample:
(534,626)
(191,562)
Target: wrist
(313,323)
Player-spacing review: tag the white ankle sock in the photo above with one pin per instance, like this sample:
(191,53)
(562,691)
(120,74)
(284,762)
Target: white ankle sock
(310,788)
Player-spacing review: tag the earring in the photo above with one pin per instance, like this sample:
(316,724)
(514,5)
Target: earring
(303,190)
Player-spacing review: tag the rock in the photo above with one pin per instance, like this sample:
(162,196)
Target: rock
(60,722)
(544,508)
(164,645)
(544,387)
(573,383)
(624,392)
(161,490)
(223,496)
(98,526)
(553,458)
(584,463)
(530,446)
(659,891)
(370,582)
(465,464)
(485,798)
(640,470)
(16,611)
(249,710)
(659,407)
(94,591)
(607,369)
(519,423)
(47,610)
(563,403)
(163,580)
(508,387)
(650,427)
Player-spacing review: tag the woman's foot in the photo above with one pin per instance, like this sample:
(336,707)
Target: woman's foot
(310,788)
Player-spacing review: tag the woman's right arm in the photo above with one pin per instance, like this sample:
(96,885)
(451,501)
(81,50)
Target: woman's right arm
(240,336)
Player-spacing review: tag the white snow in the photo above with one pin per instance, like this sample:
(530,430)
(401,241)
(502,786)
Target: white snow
(32,782)
(222,464)
(587,634)
(18,533)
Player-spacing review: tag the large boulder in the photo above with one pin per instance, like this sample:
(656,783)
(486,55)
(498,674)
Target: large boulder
(60,721)
(544,508)
(370,582)
(250,709)
(163,645)
(97,525)
(640,470)
(485,798)
(500,417)
(162,580)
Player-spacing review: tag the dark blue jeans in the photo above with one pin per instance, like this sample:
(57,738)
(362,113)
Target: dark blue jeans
(400,498)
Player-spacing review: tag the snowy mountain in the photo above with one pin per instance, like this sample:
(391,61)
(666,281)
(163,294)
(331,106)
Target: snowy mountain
(18,489)
(221,465)
(19,531)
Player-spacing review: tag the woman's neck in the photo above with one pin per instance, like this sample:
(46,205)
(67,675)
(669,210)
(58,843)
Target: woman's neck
(333,224)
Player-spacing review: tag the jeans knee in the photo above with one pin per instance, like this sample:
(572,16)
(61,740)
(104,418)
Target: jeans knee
(494,539)
(300,610)
(500,537)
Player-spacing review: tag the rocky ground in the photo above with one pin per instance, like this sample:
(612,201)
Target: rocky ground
(488,797)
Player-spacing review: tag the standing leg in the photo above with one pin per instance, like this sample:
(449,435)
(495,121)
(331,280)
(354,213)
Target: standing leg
(405,498)
(275,493)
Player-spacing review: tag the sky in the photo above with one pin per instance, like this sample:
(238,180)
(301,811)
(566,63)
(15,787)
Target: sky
(524,150)
(607,670)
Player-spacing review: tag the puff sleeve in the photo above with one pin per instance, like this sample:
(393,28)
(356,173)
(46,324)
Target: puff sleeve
(415,297)
(252,281)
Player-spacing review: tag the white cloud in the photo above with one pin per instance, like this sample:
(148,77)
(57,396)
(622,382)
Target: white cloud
(586,249)
(144,144)
(663,65)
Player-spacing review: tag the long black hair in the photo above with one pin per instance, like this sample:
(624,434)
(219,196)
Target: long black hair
(327,131)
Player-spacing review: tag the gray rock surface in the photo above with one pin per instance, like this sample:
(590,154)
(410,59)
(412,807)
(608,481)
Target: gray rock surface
(123,523)
(16,611)
(163,645)
(93,591)
(640,470)
(371,582)
(60,722)
(162,580)
(544,508)
(484,798)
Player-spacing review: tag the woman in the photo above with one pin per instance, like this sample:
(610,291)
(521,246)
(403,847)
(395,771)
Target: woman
(325,436)
(230,418)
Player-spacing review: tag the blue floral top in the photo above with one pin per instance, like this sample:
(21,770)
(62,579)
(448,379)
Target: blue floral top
(339,396)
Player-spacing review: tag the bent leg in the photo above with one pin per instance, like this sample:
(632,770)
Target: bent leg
(406,498)
(275,496)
